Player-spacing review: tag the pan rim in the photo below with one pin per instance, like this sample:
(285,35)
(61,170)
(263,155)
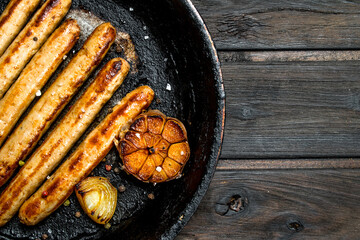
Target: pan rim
(192,206)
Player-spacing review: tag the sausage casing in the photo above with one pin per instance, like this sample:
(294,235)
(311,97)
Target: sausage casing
(13,19)
(62,138)
(48,107)
(85,158)
(36,73)
(30,39)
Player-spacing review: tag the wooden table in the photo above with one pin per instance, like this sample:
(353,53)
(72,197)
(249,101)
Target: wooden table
(290,162)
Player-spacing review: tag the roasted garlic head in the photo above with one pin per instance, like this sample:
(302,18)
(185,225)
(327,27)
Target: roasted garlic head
(155,148)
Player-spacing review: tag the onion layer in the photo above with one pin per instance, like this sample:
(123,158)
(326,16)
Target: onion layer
(98,198)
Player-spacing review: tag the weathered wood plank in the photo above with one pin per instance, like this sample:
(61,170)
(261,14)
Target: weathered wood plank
(304,163)
(290,56)
(279,204)
(291,109)
(304,24)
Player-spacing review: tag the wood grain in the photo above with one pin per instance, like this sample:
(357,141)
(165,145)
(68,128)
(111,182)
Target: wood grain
(304,24)
(303,163)
(279,204)
(290,109)
(290,56)
(290,160)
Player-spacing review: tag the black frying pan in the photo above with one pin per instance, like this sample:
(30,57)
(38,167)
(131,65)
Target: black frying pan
(174,48)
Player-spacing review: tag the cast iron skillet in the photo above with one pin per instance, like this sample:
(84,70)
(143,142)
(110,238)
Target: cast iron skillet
(175,50)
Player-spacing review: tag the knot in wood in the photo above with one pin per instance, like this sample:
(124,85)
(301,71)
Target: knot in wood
(231,204)
(295,226)
(236,203)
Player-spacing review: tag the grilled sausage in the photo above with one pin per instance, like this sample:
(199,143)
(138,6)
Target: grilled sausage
(62,138)
(35,75)
(13,19)
(85,158)
(30,39)
(44,112)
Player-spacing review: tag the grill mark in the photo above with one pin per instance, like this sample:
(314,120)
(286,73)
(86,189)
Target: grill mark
(32,142)
(15,191)
(9,169)
(7,60)
(70,45)
(45,11)
(17,46)
(29,33)
(104,80)
(63,102)
(109,37)
(10,12)
(122,110)
(45,157)
(36,137)
(51,4)
(14,48)
(32,208)
(5,206)
(94,140)
(91,101)
(107,127)
(76,161)
(53,186)
(74,38)
(8,172)
(80,80)
(99,55)
(107,75)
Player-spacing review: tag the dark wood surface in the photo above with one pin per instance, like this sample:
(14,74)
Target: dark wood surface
(290,163)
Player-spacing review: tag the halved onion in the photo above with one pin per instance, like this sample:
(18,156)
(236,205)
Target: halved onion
(98,198)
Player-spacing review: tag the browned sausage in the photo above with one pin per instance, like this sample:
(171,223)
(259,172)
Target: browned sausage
(13,19)
(62,138)
(30,39)
(35,75)
(49,106)
(85,158)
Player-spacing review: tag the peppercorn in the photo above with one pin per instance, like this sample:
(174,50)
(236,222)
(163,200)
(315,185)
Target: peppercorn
(107,226)
(67,203)
(151,196)
(108,167)
(121,188)
(44,194)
